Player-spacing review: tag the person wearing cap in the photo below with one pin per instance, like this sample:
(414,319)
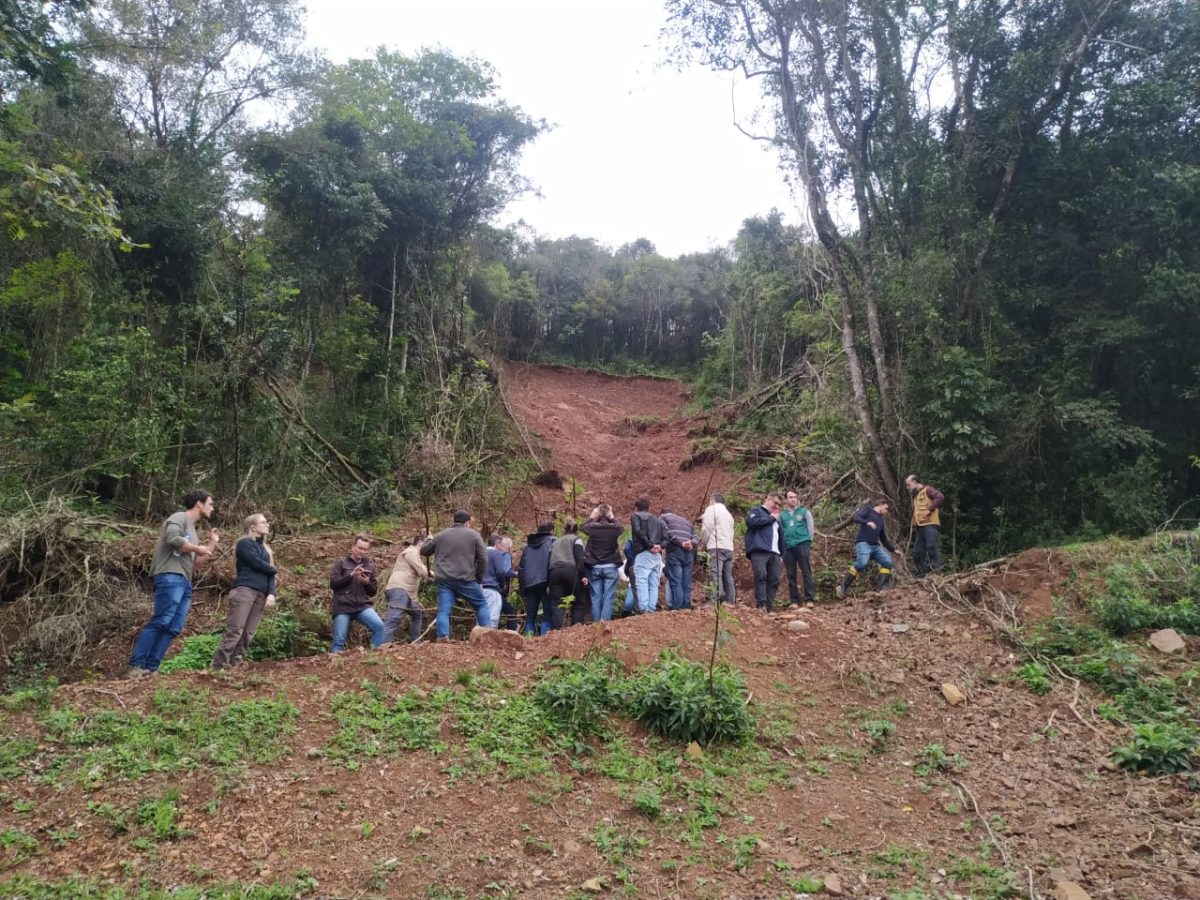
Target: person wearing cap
(459,564)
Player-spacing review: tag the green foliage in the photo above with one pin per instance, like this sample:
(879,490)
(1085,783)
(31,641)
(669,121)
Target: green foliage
(675,699)
(371,724)
(1161,748)
(160,816)
(880,732)
(183,732)
(959,413)
(933,759)
(1036,678)
(280,635)
(580,693)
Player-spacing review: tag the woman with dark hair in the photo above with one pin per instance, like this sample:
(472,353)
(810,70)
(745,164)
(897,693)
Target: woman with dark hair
(252,592)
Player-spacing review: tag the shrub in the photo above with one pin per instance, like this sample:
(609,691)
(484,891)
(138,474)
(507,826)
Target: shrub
(1159,749)
(1035,677)
(579,693)
(673,697)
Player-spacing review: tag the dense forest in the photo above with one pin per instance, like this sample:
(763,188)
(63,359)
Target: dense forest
(227,260)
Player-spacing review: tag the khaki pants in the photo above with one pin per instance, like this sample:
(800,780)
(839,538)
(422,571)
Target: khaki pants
(245,612)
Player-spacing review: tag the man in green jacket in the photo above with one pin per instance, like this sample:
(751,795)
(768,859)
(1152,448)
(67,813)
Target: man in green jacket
(798,533)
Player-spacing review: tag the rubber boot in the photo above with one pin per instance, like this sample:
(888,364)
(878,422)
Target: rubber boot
(885,579)
(847,583)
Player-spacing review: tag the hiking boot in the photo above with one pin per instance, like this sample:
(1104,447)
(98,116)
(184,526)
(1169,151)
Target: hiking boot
(135,672)
(885,580)
(844,586)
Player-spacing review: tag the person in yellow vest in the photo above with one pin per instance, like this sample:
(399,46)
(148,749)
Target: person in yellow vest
(927,526)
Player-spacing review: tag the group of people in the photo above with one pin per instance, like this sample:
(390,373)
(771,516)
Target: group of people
(575,573)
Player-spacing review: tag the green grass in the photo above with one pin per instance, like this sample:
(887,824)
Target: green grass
(182,732)
(371,723)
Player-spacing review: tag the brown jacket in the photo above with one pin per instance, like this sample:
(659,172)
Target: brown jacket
(349,594)
(926,503)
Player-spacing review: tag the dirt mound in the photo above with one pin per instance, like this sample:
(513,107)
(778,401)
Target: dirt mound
(860,770)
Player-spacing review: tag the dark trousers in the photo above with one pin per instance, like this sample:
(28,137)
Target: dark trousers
(399,605)
(927,550)
(768,567)
(801,554)
(562,584)
(536,597)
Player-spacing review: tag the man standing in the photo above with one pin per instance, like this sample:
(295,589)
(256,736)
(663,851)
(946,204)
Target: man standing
(871,544)
(764,547)
(681,557)
(402,592)
(648,538)
(175,554)
(496,577)
(716,533)
(460,561)
(798,531)
(927,526)
(354,580)
(533,575)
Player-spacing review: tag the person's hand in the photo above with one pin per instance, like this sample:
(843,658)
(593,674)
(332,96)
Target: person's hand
(899,552)
(270,600)
(687,545)
(656,549)
(583,581)
(204,550)
(873,526)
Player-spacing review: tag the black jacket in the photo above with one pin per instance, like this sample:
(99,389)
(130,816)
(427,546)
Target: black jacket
(868,535)
(254,569)
(602,535)
(534,568)
(647,531)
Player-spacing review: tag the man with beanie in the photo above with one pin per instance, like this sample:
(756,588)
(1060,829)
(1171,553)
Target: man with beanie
(533,575)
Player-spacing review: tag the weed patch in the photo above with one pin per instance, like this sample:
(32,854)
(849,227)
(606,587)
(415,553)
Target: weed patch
(182,733)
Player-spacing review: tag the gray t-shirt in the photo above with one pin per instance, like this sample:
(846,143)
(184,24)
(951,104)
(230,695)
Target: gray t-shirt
(168,558)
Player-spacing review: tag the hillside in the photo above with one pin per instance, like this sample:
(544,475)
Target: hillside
(439,770)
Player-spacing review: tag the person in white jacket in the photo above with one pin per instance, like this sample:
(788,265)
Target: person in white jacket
(716,535)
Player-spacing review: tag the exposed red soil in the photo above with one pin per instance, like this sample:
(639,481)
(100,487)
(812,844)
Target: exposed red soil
(620,437)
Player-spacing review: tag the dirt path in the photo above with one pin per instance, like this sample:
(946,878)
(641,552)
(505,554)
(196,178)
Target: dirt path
(618,437)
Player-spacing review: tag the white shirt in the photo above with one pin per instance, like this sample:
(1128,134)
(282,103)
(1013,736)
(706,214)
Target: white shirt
(716,528)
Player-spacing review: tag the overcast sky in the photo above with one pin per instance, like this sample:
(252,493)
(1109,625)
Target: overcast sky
(637,149)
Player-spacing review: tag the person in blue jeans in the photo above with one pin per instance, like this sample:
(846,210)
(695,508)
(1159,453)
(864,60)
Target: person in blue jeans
(649,537)
(602,558)
(175,555)
(872,543)
(460,562)
(354,581)
(681,558)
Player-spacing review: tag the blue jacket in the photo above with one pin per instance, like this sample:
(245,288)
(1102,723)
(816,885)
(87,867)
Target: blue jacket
(763,532)
(499,571)
(868,535)
(254,569)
